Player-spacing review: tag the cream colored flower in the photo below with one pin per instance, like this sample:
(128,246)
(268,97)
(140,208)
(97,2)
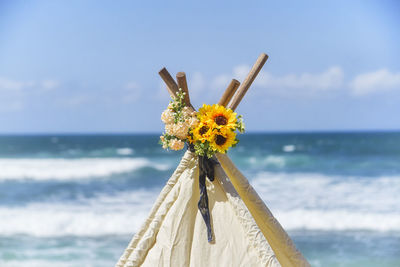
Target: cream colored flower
(187,112)
(192,122)
(164,142)
(169,129)
(176,144)
(167,116)
(180,130)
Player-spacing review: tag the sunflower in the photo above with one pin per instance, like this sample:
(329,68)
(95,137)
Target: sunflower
(202,132)
(221,117)
(190,138)
(204,111)
(223,139)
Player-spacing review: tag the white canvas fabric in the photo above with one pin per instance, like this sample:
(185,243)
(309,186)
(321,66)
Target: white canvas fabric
(175,234)
(280,242)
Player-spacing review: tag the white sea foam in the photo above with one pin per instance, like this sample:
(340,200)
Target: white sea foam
(39,263)
(59,259)
(285,191)
(269,161)
(338,220)
(298,201)
(289,148)
(321,202)
(124,151)
(104,215)
(66,169)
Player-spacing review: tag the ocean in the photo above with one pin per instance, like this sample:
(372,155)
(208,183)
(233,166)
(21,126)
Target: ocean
(77,200)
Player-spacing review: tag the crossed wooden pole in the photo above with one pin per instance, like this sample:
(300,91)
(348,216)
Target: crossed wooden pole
(280,242)
(230,91)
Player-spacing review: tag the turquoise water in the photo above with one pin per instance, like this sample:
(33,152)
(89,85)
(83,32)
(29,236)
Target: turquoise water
(77,200)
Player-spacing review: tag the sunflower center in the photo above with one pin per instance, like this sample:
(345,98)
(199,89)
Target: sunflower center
(203,130)
(220,140)
(220,120)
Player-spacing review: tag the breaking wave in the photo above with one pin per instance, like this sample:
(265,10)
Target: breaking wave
(298,201)
(69,169)
(104,215)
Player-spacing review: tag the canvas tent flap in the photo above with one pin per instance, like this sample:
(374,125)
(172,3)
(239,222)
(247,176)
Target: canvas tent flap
(283,246)
(175,234)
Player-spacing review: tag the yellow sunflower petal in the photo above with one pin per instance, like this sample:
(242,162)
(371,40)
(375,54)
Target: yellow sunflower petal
(202,132)
(221,117)
(203,111)
(223,140)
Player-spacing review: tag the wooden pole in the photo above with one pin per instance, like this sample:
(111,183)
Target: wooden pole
(182,83)
(169,81)
(172,87)
(248,81)
(229,92)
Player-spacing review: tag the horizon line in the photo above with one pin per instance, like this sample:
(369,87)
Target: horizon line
(247,132)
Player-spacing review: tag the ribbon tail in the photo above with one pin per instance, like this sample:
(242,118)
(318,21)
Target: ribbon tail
(208,165)
(203,202)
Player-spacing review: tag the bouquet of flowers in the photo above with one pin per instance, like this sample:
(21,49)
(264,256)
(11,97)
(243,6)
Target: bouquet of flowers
(211,130)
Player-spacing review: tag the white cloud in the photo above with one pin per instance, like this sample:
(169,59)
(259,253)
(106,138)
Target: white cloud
(240,72)
(196,83)
(21,86)
(13,94)
(221,81)
(50,84)
(75,101)
(290,84)
(373,82)
(131,92)
(132,85)
(162,93)
(315,82)
(13,85)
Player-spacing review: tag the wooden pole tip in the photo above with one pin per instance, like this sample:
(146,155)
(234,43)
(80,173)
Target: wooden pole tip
(235,81)
(180,74)
(264,55)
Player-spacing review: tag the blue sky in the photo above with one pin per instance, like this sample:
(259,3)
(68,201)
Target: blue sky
(92,66)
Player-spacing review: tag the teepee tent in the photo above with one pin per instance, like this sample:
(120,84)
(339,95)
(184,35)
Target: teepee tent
(245,233)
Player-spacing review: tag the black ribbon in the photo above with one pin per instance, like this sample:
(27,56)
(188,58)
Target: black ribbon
(206,169)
